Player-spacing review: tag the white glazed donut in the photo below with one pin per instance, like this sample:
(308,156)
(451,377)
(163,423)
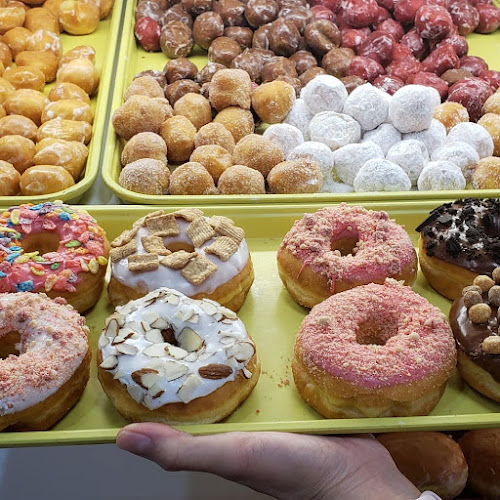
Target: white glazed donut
(381,175)
(433,137)
(285,136)
(299,117)
(199,256)
(411,155)
(368,105)
(385,135)
(412,107)
(460,153)
(349,159)
(334,129)
(168,358)
(324,93)
(441,175)
(473,134)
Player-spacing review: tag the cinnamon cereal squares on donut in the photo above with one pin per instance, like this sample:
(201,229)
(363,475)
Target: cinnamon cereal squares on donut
(441,175)
(258,152)
(240,179)
(144,145)
(147,176)
(368,105)
(324,93)
(381,175)
(295,176)
(192,178)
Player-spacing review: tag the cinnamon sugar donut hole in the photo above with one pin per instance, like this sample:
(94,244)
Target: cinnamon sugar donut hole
(147,176)
(230,87)
(240,179)
(491,122)
(18,125)
(487,173)
(273,101)
(10,179)
(214,133)
(238,121)
(195,108)
(144,85)
(492,104)
(140,114)
(43,179)
(178,133)
(144,145)
(214,158)
(451,113)
(258,153)
(66,90)
(295,176)
(192,178)
(17,150)
(81,72)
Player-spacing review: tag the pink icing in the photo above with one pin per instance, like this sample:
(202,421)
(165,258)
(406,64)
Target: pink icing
(53,343)
(419,341)
(383,249)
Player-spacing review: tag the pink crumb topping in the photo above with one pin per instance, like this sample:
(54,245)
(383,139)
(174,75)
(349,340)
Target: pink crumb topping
(53,343)
(418,339)
(383,248)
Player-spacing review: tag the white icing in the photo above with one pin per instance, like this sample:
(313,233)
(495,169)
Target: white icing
(212,328)
(172,278)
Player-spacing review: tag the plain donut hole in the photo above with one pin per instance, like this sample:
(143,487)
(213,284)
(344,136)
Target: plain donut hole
(376,332)
(9,344)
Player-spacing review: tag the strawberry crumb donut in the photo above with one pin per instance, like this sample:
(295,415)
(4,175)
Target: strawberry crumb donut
(374,351)
(341,247)
(53,248)
(44,360)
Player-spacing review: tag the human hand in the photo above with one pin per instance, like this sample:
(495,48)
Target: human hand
(285,466)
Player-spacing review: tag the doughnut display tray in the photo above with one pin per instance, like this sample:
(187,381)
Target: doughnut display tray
(133,59)
(273,319)
(105,40)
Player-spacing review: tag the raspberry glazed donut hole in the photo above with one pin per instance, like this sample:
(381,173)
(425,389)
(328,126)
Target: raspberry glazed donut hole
(53,248)
(373,351)
(45,360)
(458,241)
(168,358)
(202,257)
(341,247)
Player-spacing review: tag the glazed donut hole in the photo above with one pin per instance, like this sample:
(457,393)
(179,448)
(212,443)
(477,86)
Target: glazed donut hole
(144,85)
(69,109)
(195,108)
(147,176)
(17,150)
(491,122)
(214,158)
(68,130)
(17,39)
(492,104)
(273,101)
(25,77)
(46,61)
(27,102)
(5,54)
(144,145)
(81,72)
(192,178)
(10,179)
(42,179)
(214,133)
(67,90)
(450,114)
(43,40)
(79,18)
(240,179)
(178,133)
(79,52)
(295,177)
(18,125)
(11,17)
(258,152)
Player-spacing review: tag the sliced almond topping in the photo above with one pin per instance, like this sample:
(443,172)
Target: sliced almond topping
(139,375)
(192,356)
(227,321)
(227,312)
(193,319)
(150,316)
(155,364)
(103,341)
(154,336)
(209,308)
(163,225)
(189,340)
(243,351)
(175,352)
(112,328)
(215,371)
(160,323)
(187,313)
(155,351)
(246,373)
(119,318)
(173,300)
(135,392)
(118,340)
(226,340)
(120,253)
(119,374)
(109,363)
(200,231)
(204,356)
(174,370)
(128,349)
(156,390)
(187,390)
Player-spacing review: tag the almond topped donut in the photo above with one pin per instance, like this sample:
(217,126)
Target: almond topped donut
(168,358)
(202,257)
(341,247)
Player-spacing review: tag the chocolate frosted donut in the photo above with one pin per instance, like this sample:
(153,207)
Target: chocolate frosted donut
(458,241)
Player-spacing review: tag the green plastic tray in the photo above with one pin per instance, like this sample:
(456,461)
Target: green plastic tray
(273,319)
(133,59)
(105,40)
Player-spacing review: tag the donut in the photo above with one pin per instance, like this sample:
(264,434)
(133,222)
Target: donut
(172,359)
(481,448)
(341,247)
(376,350)
(474,322)
(201,257)
(458,241)
(53,248)
(430,460)
(44,360)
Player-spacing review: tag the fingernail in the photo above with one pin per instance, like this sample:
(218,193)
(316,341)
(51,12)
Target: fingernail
(131,440)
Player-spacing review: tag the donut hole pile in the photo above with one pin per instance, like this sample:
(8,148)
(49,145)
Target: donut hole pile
(44,132)
(209,141)
(369,141)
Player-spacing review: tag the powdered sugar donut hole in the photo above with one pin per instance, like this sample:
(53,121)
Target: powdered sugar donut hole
(349,159)
(318,152)
(411,108)
(434,137)
(411,156)
(332,186)
(368,105)
(385,135)
(334,129)
(473,134)
(381,175)
(285,136)
(441,176)
(300,117)
(324,93)
(460,153)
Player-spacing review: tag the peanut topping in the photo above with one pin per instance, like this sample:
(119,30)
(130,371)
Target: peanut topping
(479,313)
(472,298)
(491,345)
(484,282)
(494,295)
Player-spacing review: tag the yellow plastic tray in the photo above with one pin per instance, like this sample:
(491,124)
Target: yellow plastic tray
(273,319)
(105,40)
(133,59)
